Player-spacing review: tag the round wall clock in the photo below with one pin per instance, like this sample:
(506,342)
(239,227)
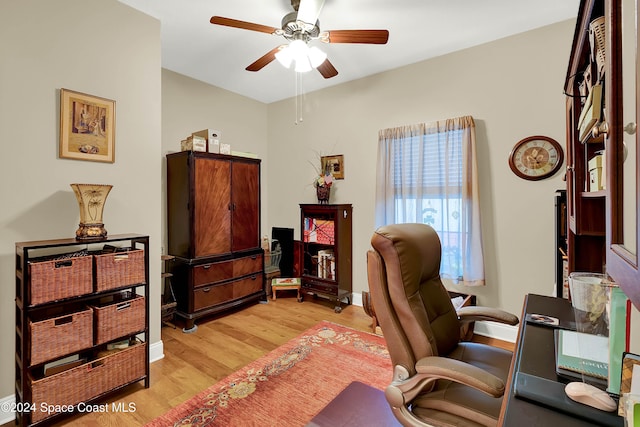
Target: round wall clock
(536,157)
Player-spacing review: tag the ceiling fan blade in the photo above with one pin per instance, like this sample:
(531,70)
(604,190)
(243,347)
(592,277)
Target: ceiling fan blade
(327,69)
(228,22)
(309,10)
(264,60)
(356,36)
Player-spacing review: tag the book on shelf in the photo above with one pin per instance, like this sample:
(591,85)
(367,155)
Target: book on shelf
(63,364)
(326,264)
(325,231)
(319,231)
(310,235)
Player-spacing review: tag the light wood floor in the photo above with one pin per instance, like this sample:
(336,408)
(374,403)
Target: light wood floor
(218,348)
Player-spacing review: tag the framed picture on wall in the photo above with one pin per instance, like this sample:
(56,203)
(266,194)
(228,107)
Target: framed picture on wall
(87,127)
(334,164)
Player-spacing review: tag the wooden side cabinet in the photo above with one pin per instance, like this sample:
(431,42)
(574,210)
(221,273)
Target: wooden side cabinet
(327,252)
(82,323)
(213,219)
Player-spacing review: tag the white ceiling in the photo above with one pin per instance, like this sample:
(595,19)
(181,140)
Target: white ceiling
(418,30)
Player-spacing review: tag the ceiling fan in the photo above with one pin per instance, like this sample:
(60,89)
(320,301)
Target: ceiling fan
(299,28)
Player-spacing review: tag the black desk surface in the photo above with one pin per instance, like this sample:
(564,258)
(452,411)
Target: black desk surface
(535,355)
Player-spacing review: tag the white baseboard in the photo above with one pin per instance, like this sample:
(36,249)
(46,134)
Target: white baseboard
(7,416)
(356,299)
(495,330)
(156,352)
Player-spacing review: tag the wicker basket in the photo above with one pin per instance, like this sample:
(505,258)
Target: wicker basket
(59,278)
(87,381)
(118,269)
(58,336)
(119,318)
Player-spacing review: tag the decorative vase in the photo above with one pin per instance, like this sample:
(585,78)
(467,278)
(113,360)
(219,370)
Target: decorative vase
(323,194)
(91,199)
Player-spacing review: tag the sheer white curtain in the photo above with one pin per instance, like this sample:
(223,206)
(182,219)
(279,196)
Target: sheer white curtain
(427,173)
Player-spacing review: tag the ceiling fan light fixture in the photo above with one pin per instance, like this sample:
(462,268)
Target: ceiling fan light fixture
(285,57)
(298,48)
(303,65)
(316,56)
(305,58)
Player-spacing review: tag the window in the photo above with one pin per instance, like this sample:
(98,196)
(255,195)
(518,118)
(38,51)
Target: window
(426,174)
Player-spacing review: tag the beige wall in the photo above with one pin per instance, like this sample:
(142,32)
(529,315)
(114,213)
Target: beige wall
(93,46)
(513,89)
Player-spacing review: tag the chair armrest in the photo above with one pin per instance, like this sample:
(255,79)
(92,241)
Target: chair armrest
(474,313)
(404,388)
(461,372)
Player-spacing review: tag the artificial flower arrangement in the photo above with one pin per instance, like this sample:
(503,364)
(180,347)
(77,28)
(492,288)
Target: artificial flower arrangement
(324,176)
(325,180)
(322,183)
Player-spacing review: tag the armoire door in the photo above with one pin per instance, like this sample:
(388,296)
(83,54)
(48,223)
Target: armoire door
(212,207)
(245,205)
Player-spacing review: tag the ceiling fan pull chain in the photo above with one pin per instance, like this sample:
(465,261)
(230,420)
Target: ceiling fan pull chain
(299,98)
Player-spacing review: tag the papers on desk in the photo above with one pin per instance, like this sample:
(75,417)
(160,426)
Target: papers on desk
(582,353)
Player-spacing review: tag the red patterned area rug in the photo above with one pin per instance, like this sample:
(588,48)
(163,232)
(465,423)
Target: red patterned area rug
(290,385)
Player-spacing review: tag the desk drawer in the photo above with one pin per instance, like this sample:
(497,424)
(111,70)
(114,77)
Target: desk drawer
(210,296)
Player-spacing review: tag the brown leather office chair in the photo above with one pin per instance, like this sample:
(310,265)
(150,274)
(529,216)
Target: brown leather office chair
(437,379)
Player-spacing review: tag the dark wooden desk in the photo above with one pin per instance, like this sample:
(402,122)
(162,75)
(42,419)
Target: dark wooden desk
(535,355)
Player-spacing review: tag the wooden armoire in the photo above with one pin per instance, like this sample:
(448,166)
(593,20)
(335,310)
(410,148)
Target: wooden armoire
(213,221)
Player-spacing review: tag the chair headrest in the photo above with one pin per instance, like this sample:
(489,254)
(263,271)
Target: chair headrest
(416,246)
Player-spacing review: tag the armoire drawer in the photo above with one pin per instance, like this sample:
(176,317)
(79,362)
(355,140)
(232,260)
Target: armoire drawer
(209,296)
(225,270)
(212,272)
(247,265)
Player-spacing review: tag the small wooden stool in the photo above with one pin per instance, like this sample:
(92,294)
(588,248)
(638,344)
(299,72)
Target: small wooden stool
(285,285)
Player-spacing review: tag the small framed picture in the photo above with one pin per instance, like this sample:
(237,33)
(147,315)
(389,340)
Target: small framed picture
(333,164)
(87,127)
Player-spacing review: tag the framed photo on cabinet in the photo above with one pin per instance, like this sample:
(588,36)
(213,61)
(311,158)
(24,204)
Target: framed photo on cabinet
(87,127)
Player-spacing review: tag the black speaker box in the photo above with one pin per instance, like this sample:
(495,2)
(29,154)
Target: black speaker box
(285,237)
